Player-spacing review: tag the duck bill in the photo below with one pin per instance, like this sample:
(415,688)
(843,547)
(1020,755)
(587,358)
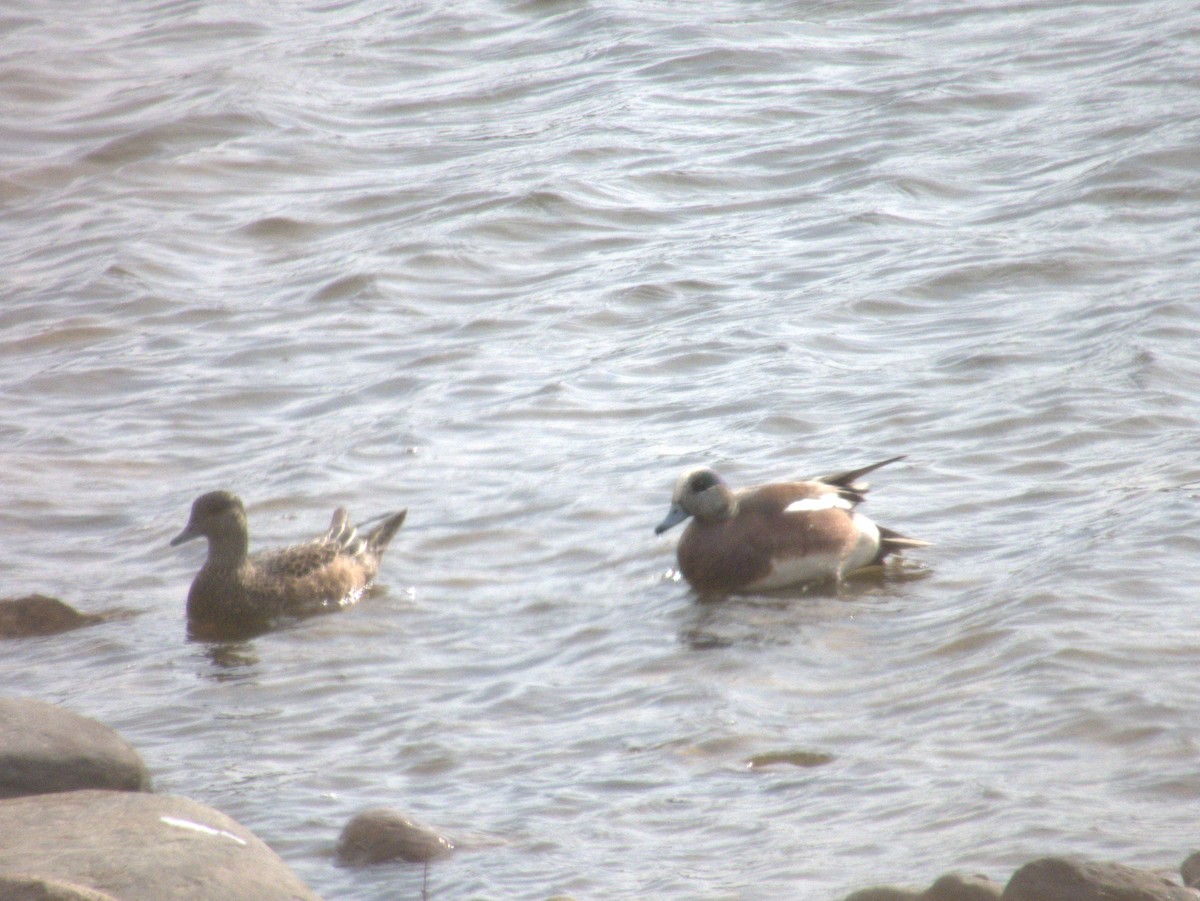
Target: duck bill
(675,516)
(186,535)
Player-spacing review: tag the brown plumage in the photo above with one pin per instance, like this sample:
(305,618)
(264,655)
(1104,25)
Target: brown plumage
(775,535)
(235,589)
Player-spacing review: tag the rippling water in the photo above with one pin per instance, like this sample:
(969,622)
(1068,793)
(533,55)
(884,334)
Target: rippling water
(512,265)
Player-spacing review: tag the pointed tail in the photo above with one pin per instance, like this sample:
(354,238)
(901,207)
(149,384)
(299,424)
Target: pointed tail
(891,542)
(847,482)
(337,528)
(379,537)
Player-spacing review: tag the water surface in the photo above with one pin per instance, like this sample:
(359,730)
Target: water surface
(512,266)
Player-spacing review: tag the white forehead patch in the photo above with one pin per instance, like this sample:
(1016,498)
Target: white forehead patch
(829,501)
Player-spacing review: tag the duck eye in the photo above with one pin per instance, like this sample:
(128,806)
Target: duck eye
(702,481)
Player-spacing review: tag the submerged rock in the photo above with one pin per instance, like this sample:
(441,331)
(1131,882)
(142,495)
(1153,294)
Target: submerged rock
(380,834)
(141,847)
(37,614)
(1075,879)
(789,758)
(44,748)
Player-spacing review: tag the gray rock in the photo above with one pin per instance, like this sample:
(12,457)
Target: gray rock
(37,614)
(959,887)
(33,888)
(141,847)
(950,887)
(380,834)
(1190,871)
(1074,879)
(886,893)
(44,748)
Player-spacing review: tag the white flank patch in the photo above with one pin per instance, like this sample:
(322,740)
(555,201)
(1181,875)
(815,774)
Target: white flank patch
(867,545)
(824,502)
(200,827)
(794,571)
(818,567)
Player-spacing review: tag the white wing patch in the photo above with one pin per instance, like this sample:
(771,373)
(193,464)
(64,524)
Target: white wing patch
(829,501)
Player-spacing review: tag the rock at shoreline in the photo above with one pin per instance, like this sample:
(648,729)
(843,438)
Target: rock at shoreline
(1050,879)
(957,887)
(886,893)
(44,748)
(1190,871)
(33,888)
(380,834)
(1075,879)
(37,614)
(141,847)
(950,887)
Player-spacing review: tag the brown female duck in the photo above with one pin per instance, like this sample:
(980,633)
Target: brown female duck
(237,589)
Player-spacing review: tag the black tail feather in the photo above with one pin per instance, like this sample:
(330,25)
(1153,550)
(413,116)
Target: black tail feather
(847,482)
(892,542)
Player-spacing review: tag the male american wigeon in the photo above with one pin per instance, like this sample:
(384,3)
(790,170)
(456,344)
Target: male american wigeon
(772,536)
(235,589)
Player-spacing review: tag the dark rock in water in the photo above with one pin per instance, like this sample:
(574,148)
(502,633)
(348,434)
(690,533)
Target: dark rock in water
(141,847)
(380,834)
(37,614)
(32,888)
(44,748)
(1191,870)
(958,887)
(1074,879)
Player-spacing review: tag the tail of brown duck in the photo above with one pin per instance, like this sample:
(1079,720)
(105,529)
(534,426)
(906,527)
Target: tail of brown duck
(340,531)
(344,535)
(379,537)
